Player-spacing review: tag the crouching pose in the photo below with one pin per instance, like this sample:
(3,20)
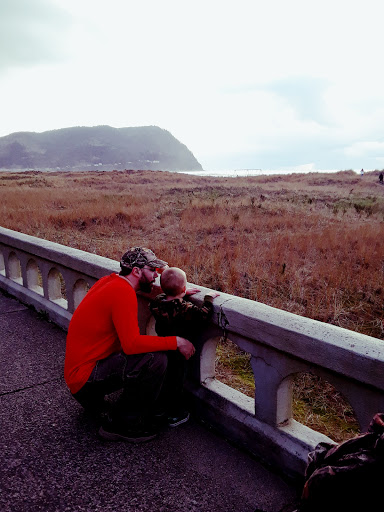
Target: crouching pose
(105,351)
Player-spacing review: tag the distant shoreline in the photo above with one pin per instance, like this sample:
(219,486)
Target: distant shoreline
(223,173)
(234,173)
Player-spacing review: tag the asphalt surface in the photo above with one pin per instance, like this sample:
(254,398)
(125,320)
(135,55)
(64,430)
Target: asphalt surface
(51,458)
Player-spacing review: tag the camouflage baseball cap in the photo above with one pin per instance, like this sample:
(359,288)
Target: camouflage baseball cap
(139,257)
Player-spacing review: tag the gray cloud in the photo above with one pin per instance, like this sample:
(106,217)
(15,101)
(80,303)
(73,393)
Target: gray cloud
(324,152)
(31,32)
(304,94)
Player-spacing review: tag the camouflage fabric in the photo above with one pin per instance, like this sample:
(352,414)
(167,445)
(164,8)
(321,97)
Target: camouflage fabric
(348,476)
(139,257)
(179,317)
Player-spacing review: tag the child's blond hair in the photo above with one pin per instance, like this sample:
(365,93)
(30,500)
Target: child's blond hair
(173,281)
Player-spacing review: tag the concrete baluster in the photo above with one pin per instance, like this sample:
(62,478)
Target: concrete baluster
(2,264)
(14,268)
(80,290)
(34,278)
(55,283)
(207,359)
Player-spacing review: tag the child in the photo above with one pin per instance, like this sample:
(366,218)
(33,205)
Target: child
(179,317)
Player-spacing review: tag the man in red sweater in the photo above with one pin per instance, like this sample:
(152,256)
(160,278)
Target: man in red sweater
(105,351)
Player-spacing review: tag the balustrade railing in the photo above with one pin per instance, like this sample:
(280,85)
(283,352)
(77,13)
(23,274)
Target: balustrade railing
(54,278)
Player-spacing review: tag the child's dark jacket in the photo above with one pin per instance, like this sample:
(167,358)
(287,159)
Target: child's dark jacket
(179,317)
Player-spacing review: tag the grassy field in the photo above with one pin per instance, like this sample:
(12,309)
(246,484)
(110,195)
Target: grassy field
(311,244)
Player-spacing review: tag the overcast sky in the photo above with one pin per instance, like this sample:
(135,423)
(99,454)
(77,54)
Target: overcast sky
(243,83)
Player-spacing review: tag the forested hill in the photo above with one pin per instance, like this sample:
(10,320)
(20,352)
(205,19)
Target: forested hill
(101,147)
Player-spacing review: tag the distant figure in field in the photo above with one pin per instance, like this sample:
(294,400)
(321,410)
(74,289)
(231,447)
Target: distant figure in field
(175,317)
(381,178)
(362,172)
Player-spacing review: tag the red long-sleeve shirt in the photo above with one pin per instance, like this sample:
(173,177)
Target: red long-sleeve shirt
(106,322)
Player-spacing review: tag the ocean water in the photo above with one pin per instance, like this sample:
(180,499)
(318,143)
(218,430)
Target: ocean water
(300,169)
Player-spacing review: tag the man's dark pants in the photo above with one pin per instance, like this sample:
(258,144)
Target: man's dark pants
(147,384)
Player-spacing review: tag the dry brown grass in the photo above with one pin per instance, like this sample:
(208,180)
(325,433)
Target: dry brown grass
(311,244)
(316,403)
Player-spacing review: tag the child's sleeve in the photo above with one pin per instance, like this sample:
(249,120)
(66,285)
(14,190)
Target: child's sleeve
(202,313)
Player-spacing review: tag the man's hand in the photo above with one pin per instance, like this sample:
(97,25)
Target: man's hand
(213,295)
(192,290)
(185,347)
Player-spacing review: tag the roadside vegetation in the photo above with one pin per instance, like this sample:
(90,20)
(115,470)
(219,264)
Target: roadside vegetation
(311,244)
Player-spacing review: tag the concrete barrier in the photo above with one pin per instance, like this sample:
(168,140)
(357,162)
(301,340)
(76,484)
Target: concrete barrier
(54,278)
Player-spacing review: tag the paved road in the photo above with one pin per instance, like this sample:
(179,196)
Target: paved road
(51,458)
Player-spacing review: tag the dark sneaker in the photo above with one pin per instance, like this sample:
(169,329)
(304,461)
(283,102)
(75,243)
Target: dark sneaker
(134,434)
(159,421)
(99,411)
(174,420)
